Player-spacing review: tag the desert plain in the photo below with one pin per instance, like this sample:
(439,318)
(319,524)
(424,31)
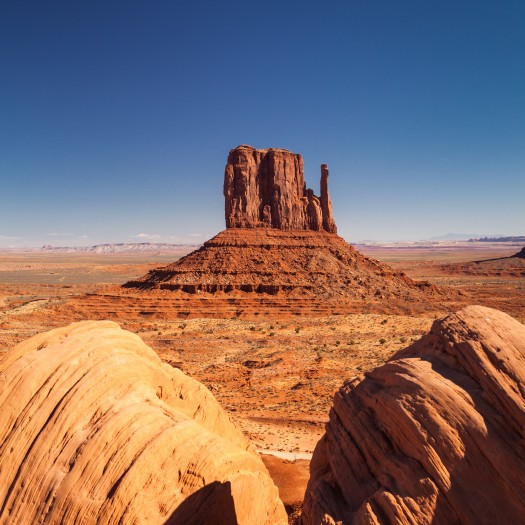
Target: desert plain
(274,370)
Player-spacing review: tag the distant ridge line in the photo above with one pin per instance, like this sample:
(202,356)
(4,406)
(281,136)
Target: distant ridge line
(117,248)
(516,238)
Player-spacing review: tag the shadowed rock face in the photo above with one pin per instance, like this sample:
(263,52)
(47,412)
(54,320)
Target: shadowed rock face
(435,436)
(95,429)
(266,189)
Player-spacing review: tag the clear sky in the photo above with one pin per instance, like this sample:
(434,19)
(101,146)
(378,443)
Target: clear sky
(116,117)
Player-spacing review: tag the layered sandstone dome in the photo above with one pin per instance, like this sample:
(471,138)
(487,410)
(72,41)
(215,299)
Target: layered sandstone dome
(95,429)
(434,436)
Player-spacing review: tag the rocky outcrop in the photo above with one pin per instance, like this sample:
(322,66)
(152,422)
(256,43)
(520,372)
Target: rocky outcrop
(266,189)
(434,436)
(95,429)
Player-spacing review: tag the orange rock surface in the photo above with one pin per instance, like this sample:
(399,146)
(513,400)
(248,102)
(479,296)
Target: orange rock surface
(434,436)
(95,429)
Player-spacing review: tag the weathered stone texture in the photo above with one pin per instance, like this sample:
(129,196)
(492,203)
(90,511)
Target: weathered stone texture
(95,429)
(266,189)
(435,436)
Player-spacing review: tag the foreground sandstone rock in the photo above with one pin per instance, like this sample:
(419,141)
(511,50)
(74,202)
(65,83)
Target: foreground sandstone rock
(435,436)
(95,429)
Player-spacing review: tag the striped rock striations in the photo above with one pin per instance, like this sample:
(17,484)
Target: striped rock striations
(284,263)
(95,429)
(434,436)
(265,188)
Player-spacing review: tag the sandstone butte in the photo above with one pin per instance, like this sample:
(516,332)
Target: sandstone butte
(434,436)
(280,240)
(95,429)
(266,189)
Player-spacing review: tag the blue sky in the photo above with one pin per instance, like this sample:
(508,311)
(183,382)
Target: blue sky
(116,118)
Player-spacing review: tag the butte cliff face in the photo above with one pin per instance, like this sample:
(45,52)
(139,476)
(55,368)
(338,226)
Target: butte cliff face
(266,189)
(95,429)
(434,436)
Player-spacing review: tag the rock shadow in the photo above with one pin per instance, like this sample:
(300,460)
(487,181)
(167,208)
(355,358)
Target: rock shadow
(213,504)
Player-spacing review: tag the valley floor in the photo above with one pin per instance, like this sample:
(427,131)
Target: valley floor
(275,375)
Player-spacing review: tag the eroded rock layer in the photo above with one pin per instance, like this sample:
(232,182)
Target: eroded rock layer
(434,436)
(95,429)
(266,189)
(268,261)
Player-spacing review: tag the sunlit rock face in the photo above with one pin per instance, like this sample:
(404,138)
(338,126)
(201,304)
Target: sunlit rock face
(265,188)
(95,429)
(434,436)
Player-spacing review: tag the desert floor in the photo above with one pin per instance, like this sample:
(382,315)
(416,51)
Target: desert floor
(275,375)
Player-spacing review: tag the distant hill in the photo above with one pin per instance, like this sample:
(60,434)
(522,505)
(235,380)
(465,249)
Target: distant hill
(120,248)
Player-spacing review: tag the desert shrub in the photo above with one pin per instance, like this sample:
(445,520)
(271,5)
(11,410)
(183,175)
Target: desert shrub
(403,340)
(384,321)
(271,334)
(382,341)
(297,329)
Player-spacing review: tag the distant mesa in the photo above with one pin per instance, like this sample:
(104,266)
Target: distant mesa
(281,240)
(95,429)
(434,436)
(500,238)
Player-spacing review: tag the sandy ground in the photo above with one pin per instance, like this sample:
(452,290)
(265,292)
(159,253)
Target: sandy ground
(275,376)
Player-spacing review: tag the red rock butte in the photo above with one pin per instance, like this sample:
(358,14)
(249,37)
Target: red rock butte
(281,242)
(266,189)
